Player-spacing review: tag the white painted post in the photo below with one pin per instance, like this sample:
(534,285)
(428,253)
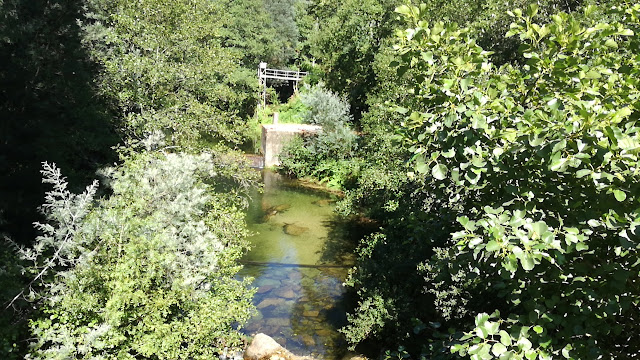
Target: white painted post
(276,117)
(263,81)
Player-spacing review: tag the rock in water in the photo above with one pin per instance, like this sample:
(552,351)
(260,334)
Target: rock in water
(281,207)
(293,229)
(323,202)
(274,301)
(263,347)
(268,216)
(274,210)
(308,340)
(287,293)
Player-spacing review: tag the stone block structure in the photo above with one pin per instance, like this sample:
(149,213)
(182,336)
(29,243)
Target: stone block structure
(275,137)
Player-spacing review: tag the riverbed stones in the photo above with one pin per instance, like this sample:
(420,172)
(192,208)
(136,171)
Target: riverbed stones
(308,340)
(287,293)
(267,282)
(265,289)
(307,282)
(294,230)
(310,313)
(323,202)
(294,276)
(278,322)
(325,333)
(270,302)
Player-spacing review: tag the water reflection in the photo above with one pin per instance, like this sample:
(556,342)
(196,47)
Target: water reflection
(300,257)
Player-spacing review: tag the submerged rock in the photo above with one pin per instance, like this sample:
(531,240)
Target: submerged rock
(294,230)
(265,289)
(280,322)
(287,293)
(270,302)
(308,340)
(294,275)
(323,202)
(281,207)
(274,210)
(311,313)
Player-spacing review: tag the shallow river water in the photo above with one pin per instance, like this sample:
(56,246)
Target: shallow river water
(300,257)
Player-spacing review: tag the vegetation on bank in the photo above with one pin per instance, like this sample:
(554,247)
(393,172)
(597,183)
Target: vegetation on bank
(506,181)
(327,156)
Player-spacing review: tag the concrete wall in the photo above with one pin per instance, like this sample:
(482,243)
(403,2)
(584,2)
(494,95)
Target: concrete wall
(275,137)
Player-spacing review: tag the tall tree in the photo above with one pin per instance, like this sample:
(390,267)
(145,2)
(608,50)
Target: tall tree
(351,33)
(248,30)
(165,68)
(283,20)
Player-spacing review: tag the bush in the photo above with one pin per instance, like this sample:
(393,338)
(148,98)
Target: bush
(528,180)
(327,156)
(148,272)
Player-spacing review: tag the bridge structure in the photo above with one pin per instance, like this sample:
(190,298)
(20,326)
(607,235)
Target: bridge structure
(265,73)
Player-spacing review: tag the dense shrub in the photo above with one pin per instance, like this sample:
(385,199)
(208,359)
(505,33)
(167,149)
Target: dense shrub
(327,156)
(149,271)
(527,178)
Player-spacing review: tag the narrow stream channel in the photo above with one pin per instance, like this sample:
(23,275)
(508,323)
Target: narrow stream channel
(300,256)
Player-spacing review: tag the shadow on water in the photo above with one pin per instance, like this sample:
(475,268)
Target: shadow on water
(301,254)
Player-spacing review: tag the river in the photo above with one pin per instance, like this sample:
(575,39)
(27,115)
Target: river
(301,253)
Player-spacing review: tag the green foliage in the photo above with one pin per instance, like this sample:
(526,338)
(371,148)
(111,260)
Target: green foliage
(538,166)
(283,21)
(336,140)
(249,32)
(326,156)
(293,112)
(116,280)
(148,272)
(352,35)
(349,36)
(489,21)
(165,68)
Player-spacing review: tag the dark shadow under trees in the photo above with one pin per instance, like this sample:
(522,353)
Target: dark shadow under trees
(50,111)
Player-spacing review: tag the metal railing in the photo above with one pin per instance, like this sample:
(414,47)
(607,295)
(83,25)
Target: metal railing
(282,74)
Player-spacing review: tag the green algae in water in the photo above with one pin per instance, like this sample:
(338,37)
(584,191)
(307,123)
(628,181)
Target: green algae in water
(299,258)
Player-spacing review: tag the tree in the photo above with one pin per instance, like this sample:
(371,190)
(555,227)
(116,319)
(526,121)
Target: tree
(50,109)
(351,33)
(249,31)
(165,68)
(283,21)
